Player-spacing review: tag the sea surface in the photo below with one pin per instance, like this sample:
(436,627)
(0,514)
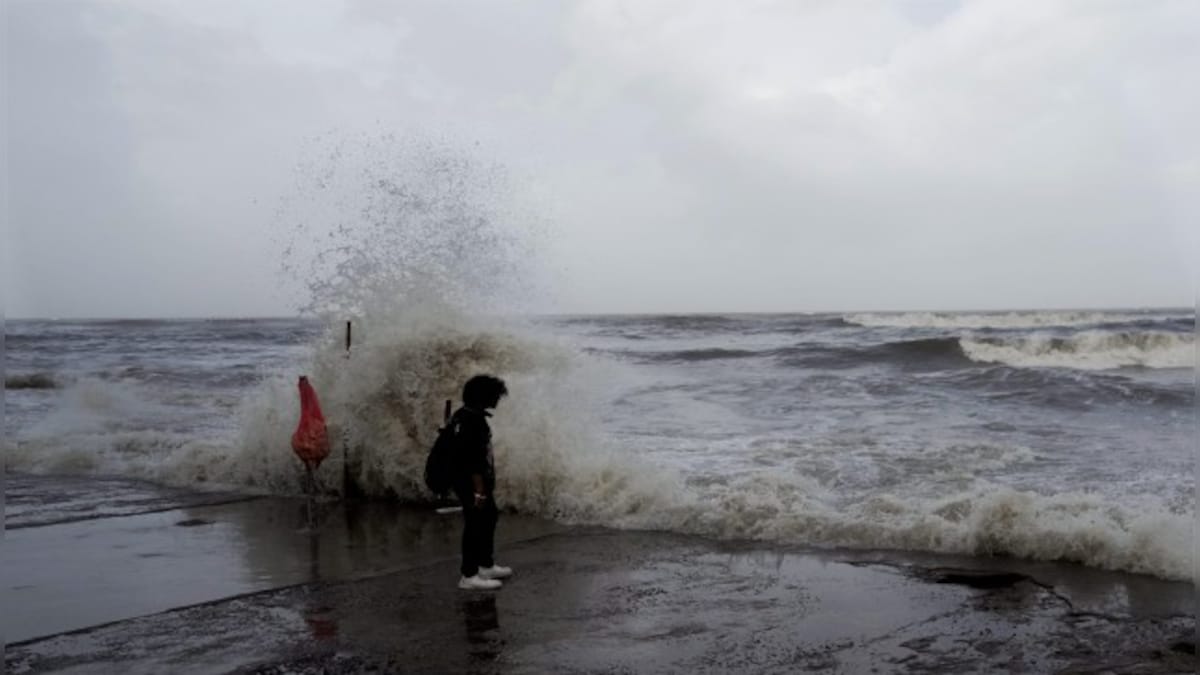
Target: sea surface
(1064,435)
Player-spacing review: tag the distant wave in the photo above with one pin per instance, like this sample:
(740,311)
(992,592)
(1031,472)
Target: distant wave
(30,381)
(1065,388)
(1003,320)
(928,353)
(813,354)
(1091,350)
(1088,350)
(651,326)
(690,355)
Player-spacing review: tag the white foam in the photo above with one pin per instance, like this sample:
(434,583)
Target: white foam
(1091,350)
(986,520)
(164,457)
(93,405)
(996,320)
(553,462)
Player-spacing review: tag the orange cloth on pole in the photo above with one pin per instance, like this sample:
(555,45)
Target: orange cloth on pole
(311,440)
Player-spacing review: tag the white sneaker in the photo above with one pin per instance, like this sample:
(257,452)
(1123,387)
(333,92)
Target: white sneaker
(495,572)
(478,583)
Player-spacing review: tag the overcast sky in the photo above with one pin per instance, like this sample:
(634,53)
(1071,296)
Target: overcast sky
(691,155)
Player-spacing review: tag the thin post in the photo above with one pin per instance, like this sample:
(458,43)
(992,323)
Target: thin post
(345,434)
(314,555)
(310,487)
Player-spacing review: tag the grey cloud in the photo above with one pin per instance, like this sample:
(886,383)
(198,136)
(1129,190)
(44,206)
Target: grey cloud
(697,155)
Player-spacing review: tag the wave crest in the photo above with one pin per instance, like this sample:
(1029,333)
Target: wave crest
(980,320)
(553,464)
(1092,350)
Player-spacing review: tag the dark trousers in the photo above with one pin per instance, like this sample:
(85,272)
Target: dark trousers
(479,532)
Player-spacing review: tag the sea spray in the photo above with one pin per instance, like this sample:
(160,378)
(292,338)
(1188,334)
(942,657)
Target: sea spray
(426,319)
(377,223)
(422,254)
(385,401)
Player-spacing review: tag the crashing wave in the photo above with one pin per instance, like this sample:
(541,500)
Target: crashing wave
(555,469)
(421,330)
(1091,350)
(980,320)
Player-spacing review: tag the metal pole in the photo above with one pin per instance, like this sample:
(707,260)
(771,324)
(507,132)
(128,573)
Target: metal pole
(310,515)
(345,434)
(310,486)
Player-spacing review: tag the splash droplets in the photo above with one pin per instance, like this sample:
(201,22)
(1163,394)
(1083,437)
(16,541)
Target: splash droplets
(380,223)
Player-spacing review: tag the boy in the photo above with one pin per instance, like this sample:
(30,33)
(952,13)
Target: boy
(475,482)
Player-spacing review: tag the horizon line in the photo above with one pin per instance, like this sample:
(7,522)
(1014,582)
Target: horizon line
(281,317)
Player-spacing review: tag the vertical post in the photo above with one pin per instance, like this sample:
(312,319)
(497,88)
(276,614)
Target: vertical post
(345,434)
(310,515)
(310,486)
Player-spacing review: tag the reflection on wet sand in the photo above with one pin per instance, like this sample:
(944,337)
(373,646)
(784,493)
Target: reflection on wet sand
(280,541)
(70,575)
(588,600)
(484,640)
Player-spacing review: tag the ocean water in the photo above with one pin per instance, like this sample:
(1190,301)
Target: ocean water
(1043,435)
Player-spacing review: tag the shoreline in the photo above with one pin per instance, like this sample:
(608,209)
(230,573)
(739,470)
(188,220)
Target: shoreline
(607,601)
(246,587)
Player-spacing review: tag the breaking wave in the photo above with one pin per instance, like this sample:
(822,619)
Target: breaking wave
(428,316)
(1002,320)
(986,520)
(386,401)
(1091,350)
(559,470)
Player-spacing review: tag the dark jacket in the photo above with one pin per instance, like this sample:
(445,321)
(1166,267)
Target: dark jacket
(473,444)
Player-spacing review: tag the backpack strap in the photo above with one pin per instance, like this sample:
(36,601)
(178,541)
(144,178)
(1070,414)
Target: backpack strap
(451,420)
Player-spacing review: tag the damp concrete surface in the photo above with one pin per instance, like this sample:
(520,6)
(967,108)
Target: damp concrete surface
(174,582)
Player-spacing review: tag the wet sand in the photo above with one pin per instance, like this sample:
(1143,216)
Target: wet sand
(247,587)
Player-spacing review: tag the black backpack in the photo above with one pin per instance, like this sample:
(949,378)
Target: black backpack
(440,465)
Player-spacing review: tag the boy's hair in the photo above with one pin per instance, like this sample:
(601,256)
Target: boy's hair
(483,391)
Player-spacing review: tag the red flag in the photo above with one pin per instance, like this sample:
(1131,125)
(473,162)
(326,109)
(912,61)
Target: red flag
(311,440)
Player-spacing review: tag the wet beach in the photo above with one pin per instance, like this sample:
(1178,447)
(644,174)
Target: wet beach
(239,584)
